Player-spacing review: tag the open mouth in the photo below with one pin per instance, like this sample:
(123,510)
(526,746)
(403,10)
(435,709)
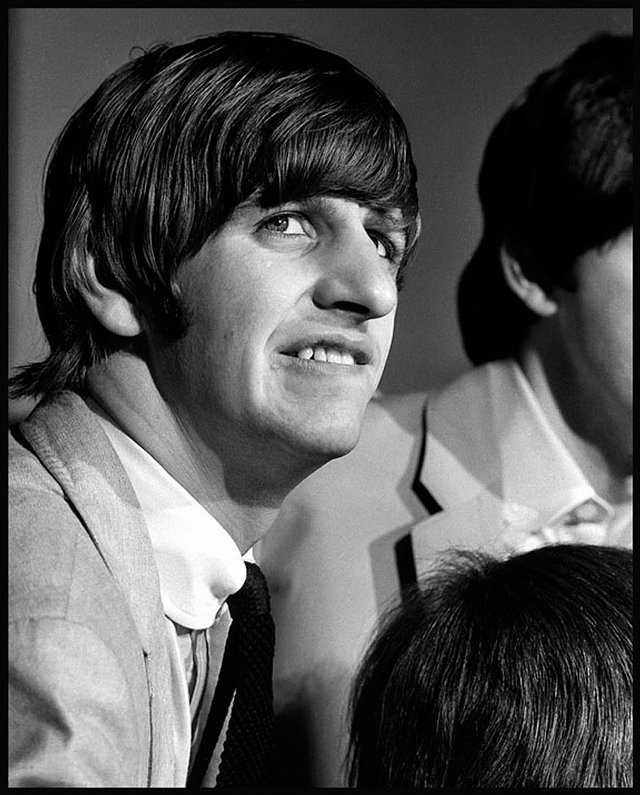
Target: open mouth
(330,354)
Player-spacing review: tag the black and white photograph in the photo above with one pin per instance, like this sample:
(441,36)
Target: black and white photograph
(320,465)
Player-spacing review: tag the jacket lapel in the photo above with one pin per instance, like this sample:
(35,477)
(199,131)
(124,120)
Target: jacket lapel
(73,447)
(493,465)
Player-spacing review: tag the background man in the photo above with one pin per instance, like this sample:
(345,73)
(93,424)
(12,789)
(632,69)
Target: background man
(226,223)
(530,447)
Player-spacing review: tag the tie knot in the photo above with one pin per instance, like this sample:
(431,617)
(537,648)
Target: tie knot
(253,597)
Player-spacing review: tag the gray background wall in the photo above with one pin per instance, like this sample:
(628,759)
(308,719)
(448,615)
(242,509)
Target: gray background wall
(450,72)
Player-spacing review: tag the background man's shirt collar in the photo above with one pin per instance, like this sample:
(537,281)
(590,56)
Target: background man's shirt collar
(491,422)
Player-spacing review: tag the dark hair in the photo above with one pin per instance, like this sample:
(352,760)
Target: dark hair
(158,158)
(556,181)
(502,673)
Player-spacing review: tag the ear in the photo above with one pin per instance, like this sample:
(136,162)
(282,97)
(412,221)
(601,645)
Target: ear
(109,307)
(529,292)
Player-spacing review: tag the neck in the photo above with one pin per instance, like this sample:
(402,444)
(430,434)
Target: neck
(246,507)
(598,440)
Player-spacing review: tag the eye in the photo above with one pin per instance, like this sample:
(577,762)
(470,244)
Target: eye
(384,246)
(284,224)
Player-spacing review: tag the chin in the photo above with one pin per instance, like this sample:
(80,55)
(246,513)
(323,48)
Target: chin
(313,435)
(337,446)
(321,445)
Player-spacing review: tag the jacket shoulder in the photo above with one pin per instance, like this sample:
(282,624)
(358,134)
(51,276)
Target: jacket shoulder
(43,531)
(55,569)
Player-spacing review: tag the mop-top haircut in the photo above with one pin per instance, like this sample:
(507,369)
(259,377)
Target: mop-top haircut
(159,157)
(556,181)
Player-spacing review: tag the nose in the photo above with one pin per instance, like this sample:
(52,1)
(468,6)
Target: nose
(354,278)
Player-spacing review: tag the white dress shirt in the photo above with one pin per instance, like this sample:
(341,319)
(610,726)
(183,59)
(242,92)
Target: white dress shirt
(199,566)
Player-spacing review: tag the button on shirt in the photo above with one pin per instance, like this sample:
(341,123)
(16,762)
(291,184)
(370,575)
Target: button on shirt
(199,566)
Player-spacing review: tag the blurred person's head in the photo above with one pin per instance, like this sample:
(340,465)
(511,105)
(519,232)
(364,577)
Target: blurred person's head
(502,673)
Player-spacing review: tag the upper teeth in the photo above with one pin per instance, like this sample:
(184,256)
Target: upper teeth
(322,354)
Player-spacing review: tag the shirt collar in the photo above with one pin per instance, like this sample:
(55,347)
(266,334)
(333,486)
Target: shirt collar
(491,422)
(199,564)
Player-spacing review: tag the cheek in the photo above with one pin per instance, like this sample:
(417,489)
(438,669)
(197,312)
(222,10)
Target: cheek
(221,317)
(241,307)
(607,319)
(602,341)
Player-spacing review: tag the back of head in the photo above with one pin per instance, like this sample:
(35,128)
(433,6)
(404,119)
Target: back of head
(502,674)
(159,157)
(555,182)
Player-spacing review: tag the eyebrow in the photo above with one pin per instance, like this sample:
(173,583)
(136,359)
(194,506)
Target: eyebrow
(392,219)
(390,216)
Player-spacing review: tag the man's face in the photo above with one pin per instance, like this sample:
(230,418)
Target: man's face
(597,325)
(292,319)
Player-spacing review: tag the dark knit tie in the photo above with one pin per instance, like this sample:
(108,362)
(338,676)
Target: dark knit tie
(247,669)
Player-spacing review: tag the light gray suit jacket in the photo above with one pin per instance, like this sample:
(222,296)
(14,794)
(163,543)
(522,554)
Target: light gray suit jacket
(89,678)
